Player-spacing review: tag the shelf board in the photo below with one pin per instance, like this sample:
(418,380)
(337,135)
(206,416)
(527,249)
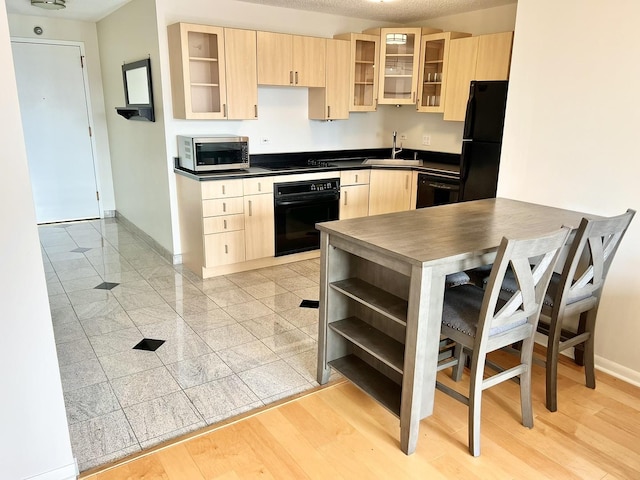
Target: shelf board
(389,305)
(363,83)
(203,59)
(397,76)
(370,381)
(432,83)
(366,62)
(433,61)
(204,85)
(398,54)
(372,341)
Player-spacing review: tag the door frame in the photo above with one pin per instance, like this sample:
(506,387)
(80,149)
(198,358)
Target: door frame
(87,96)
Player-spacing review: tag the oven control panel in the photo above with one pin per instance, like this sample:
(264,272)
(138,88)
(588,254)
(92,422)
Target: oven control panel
(310,186)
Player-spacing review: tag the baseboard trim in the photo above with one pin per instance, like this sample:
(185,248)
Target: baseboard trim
(166,254)
(619,371)
(67,472)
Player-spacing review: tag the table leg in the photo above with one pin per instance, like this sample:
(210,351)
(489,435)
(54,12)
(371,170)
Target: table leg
(421,353)
(323,370)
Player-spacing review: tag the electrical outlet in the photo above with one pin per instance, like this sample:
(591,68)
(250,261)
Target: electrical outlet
(265,140)
(426,139)
(403,137)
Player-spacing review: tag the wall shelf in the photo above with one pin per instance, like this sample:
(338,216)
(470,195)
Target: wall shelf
(137,113)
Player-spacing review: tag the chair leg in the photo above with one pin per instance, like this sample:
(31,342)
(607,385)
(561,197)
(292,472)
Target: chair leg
(553,350)
(475,401)
(578,351)
(458,352)
(526,404)
(589,344)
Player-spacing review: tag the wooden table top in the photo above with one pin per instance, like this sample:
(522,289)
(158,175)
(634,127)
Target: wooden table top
(440,234)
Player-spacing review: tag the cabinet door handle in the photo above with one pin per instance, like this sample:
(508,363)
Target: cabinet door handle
(290,77)
(406,185)
(224,110)
(250,208)
(223,192)
(226,249)
(356,178)
(413,96)
(224,207)
(296,78)
(328,111)
(255,111)
(345,198)
(259,187)
(224,223)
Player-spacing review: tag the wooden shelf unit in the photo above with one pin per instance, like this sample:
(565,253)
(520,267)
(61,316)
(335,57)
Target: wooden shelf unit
(363,76)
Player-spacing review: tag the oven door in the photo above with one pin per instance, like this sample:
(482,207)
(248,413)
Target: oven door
(296,217)
(434,191)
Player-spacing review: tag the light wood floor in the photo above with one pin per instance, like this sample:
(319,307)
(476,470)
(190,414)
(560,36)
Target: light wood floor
(340,433)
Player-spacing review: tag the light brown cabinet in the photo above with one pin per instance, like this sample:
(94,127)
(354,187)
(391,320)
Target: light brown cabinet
(363,71)
(294,60)
(485,57)
(399,60)
(258,218)
(390,191)
(354,193)
(332,101)
(434,63)
(213,72)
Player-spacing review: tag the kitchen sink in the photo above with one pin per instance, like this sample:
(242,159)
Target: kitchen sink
(392,162)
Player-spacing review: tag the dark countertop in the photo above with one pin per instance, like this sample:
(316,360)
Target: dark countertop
(435,163)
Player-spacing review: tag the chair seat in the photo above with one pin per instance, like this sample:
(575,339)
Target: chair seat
(455,279)
(460,310)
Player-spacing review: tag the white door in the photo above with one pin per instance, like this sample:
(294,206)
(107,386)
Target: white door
(55,119)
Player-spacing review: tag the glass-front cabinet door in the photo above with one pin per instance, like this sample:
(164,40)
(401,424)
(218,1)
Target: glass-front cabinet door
(434,58)
(363,70)
(398,76)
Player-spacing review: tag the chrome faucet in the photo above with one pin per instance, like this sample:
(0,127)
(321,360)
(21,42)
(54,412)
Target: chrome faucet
(395,151)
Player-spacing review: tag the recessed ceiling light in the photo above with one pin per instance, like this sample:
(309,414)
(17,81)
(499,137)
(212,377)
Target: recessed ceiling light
(49,4)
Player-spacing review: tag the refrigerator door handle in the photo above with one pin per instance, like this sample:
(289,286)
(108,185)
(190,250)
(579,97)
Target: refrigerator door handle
(470,114)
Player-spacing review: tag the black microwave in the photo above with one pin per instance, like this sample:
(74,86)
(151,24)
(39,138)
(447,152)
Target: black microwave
(213,152)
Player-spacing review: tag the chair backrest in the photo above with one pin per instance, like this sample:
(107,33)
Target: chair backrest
(531,262)
(590,257)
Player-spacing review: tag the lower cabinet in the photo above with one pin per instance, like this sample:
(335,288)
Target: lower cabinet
(259,226)
(354,193)
(224,248)
(390,191)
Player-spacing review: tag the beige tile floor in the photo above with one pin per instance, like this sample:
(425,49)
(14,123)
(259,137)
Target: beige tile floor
(232,343)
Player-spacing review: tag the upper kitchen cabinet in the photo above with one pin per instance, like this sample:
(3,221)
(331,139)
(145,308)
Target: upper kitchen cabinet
(485,57)
(332,101)
(196,54)
(213,72)
(399,61)
(295,60)
(363,74)
(434,62)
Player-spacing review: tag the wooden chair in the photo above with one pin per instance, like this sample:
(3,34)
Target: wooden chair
(481,321)
(577,290)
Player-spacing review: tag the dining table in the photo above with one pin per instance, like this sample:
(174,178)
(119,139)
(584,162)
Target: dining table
(382,286)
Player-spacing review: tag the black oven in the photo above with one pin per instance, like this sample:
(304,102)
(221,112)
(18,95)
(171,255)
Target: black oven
(298,207)
(436,189)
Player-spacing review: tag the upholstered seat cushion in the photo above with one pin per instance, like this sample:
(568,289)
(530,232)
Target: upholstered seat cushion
(461,310)
(455,279)
(510,285)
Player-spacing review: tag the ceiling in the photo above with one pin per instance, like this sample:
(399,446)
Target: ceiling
(397,11)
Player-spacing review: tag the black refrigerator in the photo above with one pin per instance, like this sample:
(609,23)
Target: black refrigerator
(482,139)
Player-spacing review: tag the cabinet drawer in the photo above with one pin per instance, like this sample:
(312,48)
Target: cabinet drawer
(221,189)
(223,223)
(256,186)
(354,177)
(224,248)
(222,206)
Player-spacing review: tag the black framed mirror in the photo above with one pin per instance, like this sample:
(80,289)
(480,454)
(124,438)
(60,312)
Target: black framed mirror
(138,91)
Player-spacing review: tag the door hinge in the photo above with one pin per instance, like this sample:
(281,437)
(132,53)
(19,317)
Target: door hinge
(81,61)
(90,131)
(97,196)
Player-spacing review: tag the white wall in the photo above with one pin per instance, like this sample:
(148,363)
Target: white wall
(34,436)
(138,155)
(570,138)
(85,32)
